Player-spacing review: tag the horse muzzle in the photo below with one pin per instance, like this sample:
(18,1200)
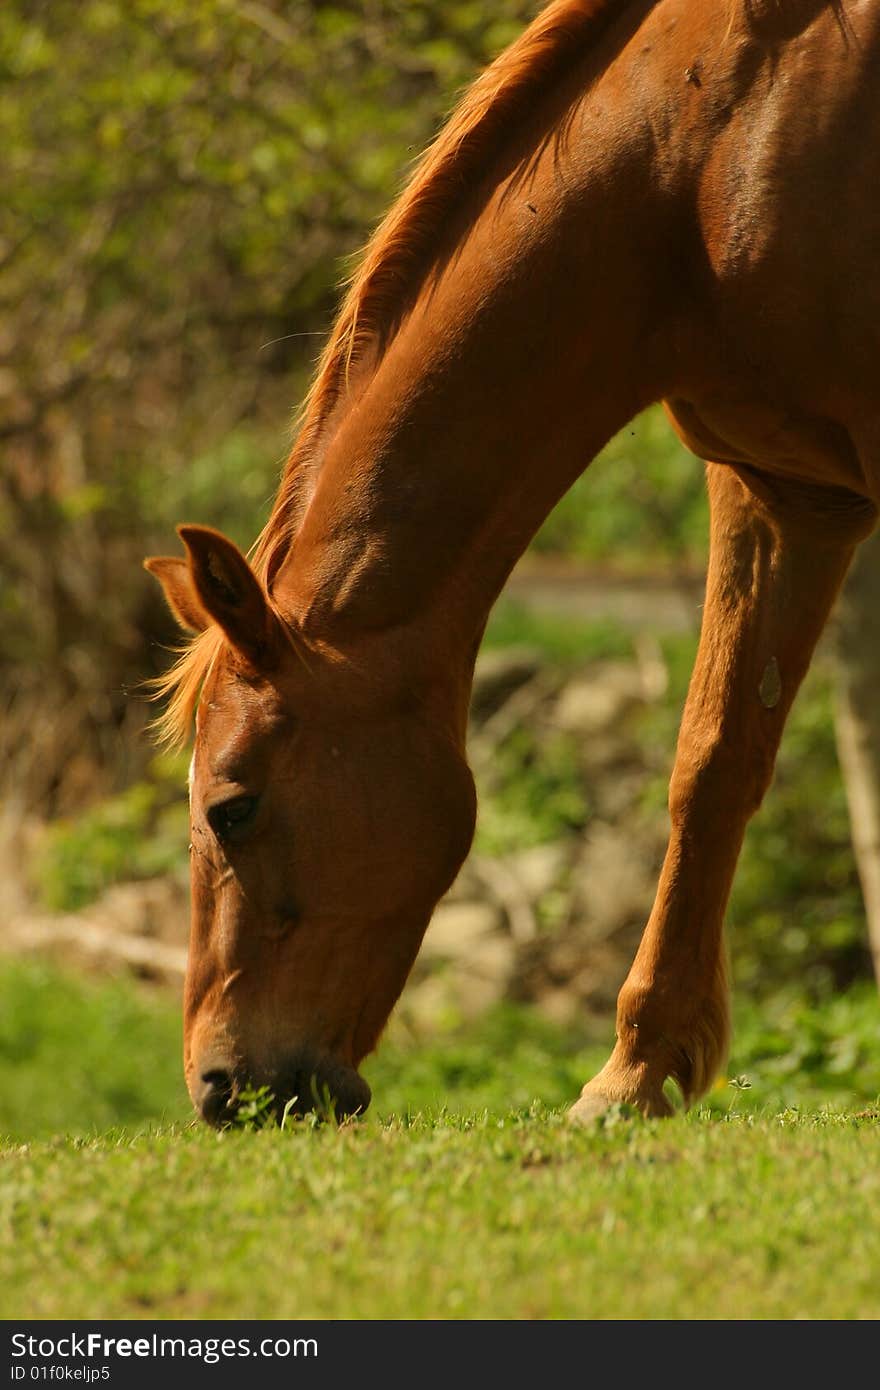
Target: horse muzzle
(299,1085)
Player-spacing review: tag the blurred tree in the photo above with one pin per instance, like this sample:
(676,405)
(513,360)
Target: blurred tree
(181,183)
(857,722)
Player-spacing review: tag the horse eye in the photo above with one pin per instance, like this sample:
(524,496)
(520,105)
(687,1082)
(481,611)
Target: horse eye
(230,820)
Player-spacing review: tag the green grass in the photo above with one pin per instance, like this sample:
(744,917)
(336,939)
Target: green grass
(511,1217)
(462,1194)
(79,1056)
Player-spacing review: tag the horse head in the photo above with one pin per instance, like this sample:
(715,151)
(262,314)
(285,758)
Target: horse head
(331,807)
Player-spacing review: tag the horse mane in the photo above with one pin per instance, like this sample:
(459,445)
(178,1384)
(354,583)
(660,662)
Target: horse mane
(391,270)
(404,240)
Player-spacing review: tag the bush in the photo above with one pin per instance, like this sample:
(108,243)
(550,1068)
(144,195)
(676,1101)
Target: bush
(141,833)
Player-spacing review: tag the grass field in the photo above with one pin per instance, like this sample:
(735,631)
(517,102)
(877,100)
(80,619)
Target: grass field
(516,1217)
(462,1195)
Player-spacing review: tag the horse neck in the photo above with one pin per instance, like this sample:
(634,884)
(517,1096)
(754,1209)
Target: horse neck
(534,338)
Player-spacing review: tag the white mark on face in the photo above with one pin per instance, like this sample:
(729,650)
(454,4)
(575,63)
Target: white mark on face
(189,777)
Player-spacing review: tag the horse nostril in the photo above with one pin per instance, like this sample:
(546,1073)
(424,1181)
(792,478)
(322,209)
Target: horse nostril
(216,1097)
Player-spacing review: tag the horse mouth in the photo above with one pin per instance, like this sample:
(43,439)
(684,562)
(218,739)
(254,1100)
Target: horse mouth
(330,1089)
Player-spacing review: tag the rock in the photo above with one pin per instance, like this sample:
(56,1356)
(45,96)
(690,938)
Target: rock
(426,1006)
(498,674)
(453,991)
(468,886)
(617,793)
(155,907)
(541,868)
(560,1006)
(613,881)
(491,959)
(598,699)
(140,927)
(603,757)
(464,967)
(458,928)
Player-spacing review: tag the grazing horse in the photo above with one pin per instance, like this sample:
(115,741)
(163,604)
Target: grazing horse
(640,200)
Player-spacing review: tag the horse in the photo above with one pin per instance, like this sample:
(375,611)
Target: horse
(638,201)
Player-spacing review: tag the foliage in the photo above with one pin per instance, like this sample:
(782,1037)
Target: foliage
(184,185)
(536,795)
(186,178)
(796,1056)
(640,506)
(795,918)
(797,910)
(140,833)
(564,640)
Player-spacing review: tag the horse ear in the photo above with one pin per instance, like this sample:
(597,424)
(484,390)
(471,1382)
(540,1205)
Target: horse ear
(180,595)
(226,587)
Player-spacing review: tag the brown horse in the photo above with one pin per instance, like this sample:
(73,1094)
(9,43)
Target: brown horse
(639,200)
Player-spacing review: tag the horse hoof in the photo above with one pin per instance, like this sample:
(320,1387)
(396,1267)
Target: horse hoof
(596,1108)
(592,1107)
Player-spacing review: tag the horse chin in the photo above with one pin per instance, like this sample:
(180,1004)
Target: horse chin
(324,1085)
(300,1084)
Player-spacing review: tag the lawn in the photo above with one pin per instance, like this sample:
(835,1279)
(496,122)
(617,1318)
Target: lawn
(451,1217)
(464,1194)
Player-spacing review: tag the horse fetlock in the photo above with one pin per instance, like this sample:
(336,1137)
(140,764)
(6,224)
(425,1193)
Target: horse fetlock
(674,1030)
(645,1058)
(690,1056)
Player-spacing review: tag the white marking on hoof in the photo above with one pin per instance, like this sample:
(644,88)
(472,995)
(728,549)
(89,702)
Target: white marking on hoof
(590,1108)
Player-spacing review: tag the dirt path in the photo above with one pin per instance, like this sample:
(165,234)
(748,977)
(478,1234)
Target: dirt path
(663,604)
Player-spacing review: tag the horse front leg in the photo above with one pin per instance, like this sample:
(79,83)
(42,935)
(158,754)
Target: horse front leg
(779,553)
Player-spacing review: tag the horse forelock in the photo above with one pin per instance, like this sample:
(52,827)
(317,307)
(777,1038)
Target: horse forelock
(182,685)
